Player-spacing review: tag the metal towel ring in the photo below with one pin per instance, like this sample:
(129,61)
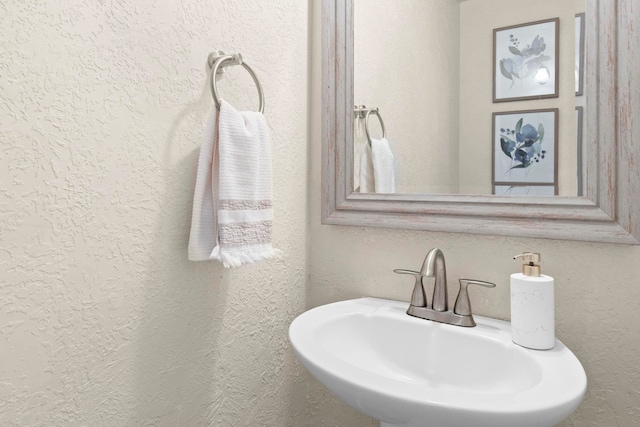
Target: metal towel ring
(216,62)
(366,123)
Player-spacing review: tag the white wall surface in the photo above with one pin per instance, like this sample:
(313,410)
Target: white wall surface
(103,321)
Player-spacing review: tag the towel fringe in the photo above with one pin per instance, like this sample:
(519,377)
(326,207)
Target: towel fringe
(236,260)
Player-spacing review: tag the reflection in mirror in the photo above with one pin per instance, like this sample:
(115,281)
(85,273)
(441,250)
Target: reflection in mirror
(608,210)
(429,68)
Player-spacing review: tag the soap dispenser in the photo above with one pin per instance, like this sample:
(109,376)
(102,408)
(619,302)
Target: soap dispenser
(532,305)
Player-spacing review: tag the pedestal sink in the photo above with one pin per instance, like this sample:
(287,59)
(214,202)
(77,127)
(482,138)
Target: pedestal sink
(411,372)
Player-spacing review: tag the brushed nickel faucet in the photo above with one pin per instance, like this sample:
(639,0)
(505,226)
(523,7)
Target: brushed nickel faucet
(434,266)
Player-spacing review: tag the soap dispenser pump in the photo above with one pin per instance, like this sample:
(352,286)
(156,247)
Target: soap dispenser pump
(532,305)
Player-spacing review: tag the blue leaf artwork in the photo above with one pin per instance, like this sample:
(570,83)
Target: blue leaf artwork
(524,62)
(523,144)
(525,58)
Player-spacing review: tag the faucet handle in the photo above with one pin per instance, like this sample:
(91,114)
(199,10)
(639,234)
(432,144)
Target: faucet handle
(418,297)
(463,304)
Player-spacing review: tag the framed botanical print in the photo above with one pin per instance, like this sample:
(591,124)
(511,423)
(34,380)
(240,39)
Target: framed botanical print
(579,52)
(525,147)
(525,61)
(525,190)
(579,151)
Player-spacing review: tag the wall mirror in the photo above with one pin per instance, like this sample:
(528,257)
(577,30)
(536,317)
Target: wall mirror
(549,154)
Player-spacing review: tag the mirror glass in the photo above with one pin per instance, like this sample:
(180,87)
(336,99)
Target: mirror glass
(476,96)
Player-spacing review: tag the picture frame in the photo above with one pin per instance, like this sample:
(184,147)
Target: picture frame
(525,61)
(525,148)
(525,190)
(579,151)
(579,53)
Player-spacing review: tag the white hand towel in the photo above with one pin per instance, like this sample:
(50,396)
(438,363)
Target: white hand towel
(367,184)
(232,208)
(383,168)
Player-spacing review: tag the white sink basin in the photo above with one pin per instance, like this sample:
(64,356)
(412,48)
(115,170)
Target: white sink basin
(411,372)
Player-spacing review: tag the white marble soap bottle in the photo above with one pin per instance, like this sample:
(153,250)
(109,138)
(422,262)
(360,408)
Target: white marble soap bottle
(532,306)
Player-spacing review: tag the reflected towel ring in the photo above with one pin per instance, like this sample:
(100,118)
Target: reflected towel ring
(217,62)
(366,123)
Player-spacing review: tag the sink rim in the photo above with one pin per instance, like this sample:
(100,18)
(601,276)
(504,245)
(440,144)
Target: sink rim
(558,365)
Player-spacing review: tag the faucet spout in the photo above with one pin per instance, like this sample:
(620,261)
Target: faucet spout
(434,266)
(438,311)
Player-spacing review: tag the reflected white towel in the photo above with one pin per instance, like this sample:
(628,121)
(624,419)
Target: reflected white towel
(232,207)
(383,166)
(367,184)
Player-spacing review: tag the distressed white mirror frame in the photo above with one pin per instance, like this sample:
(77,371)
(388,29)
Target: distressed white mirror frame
(610,211)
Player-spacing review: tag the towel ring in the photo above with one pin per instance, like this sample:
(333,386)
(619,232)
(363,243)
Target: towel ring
(366,123)
(216,62)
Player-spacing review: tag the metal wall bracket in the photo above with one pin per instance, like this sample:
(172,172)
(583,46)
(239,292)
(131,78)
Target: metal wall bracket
(236,59)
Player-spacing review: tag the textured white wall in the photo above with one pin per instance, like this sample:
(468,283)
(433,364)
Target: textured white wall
(597,292)
(406,63)
(103,321)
